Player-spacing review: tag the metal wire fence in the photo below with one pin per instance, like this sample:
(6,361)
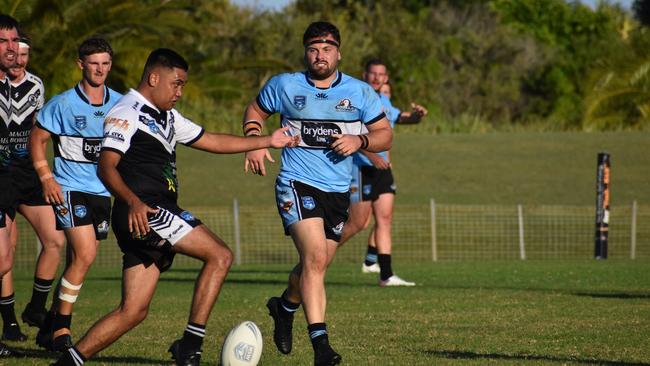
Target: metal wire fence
(426,232)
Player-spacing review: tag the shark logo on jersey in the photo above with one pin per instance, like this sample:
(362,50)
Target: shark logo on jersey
(308,202)
(80,122)
(345,105)
(338,229)
(102,227)
(80,211)
(299,101)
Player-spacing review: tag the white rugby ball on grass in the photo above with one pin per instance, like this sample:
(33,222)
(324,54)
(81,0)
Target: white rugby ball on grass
(242,346)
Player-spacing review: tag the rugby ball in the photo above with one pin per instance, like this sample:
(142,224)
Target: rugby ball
(242,346)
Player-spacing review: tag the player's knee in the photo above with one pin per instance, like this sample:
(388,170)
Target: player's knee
(54,243)
(134,315)
(384,218)
(84,260)
(315,263)
(221,258)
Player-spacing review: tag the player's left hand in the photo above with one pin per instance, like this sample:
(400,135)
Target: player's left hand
(281,138)
(345,145)
(418,110)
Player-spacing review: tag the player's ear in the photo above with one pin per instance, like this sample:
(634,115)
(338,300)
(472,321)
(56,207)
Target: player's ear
(339,55)
(153,79)
(80,63)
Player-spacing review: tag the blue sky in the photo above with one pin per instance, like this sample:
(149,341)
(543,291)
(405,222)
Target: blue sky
(278,4)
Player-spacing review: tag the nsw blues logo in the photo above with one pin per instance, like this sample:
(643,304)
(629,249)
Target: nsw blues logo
(308,202)
(367,188)
(299,101)
(80,211)
(187,216)
(80,122)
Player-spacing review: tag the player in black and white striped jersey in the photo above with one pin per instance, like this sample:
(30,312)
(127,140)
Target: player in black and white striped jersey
(27,98)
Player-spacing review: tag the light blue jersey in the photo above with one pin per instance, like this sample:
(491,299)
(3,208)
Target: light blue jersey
(315,114)
(392,114)
(77,129)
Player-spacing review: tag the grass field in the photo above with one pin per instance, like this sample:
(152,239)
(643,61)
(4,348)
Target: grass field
(461,313)
(500,168)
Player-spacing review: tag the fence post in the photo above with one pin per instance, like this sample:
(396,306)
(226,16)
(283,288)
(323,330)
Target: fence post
(633,232)
(235,213)
(434,248)
(522,248)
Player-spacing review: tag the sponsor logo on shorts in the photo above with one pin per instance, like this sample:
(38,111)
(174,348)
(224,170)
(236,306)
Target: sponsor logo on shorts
(345,105)
(287,206)
(62,210)
(393,186)
(299,101)
(80,122)
(338,229)
(354,189)
(308,202)
(367,188)
(187,216)
(175,231)
(80,211)
(103,227)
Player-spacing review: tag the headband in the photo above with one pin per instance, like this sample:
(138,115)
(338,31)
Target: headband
(23,45)
(322,40)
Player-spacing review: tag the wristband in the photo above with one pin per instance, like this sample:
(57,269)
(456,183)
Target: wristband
(45,177)
(364,141)
(256,132)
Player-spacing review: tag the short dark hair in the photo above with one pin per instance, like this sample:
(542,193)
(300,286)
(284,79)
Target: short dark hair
(374,62)
(94,45)
(321,29)
(8,22)
(166,58)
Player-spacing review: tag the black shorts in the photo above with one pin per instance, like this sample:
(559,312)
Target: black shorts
(80,209)
(6,197)
(26,187)
(167,226)
(375,182)
(297,201)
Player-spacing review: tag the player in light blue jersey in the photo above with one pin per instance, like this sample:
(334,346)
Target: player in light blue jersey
(373,187)
(328,110)
(74,120)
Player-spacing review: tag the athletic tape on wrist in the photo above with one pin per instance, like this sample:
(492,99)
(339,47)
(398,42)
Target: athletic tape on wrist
(45,177)
(40,164)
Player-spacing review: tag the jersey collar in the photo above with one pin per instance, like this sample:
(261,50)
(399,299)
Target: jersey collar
(82,95)
(337,81)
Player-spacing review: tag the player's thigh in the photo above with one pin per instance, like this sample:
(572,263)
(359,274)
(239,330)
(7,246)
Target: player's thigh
(382,208)
(359,214)
(82,240)
(42,219)
(201,243)
(309,238)
(138,286)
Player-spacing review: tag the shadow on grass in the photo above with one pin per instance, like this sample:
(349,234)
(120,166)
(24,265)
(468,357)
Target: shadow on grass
(131,361)
(613,295)
(236,270)
(467,355)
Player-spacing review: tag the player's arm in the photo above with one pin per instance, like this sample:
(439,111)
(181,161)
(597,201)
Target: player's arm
(412,117)
(138,210)
(228,144)
(376,160)
(378,138)
(38,139)
(253,124)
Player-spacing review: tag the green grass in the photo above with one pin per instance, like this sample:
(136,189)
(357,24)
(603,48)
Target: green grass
(499,168)
(461,313)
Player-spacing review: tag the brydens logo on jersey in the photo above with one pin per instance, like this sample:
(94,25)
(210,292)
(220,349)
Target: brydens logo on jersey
(299,101)
(80,122)
(318,134)
(345,105)
(92,147)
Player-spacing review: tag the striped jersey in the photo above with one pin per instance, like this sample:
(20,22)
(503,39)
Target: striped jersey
(76,126)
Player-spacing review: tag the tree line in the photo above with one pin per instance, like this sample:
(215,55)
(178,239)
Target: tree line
(477,65)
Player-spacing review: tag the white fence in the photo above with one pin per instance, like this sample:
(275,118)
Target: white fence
(426,232)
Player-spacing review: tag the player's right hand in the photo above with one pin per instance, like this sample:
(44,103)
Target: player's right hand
(254,160)
(52,191)
(378,161)
(138,217)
